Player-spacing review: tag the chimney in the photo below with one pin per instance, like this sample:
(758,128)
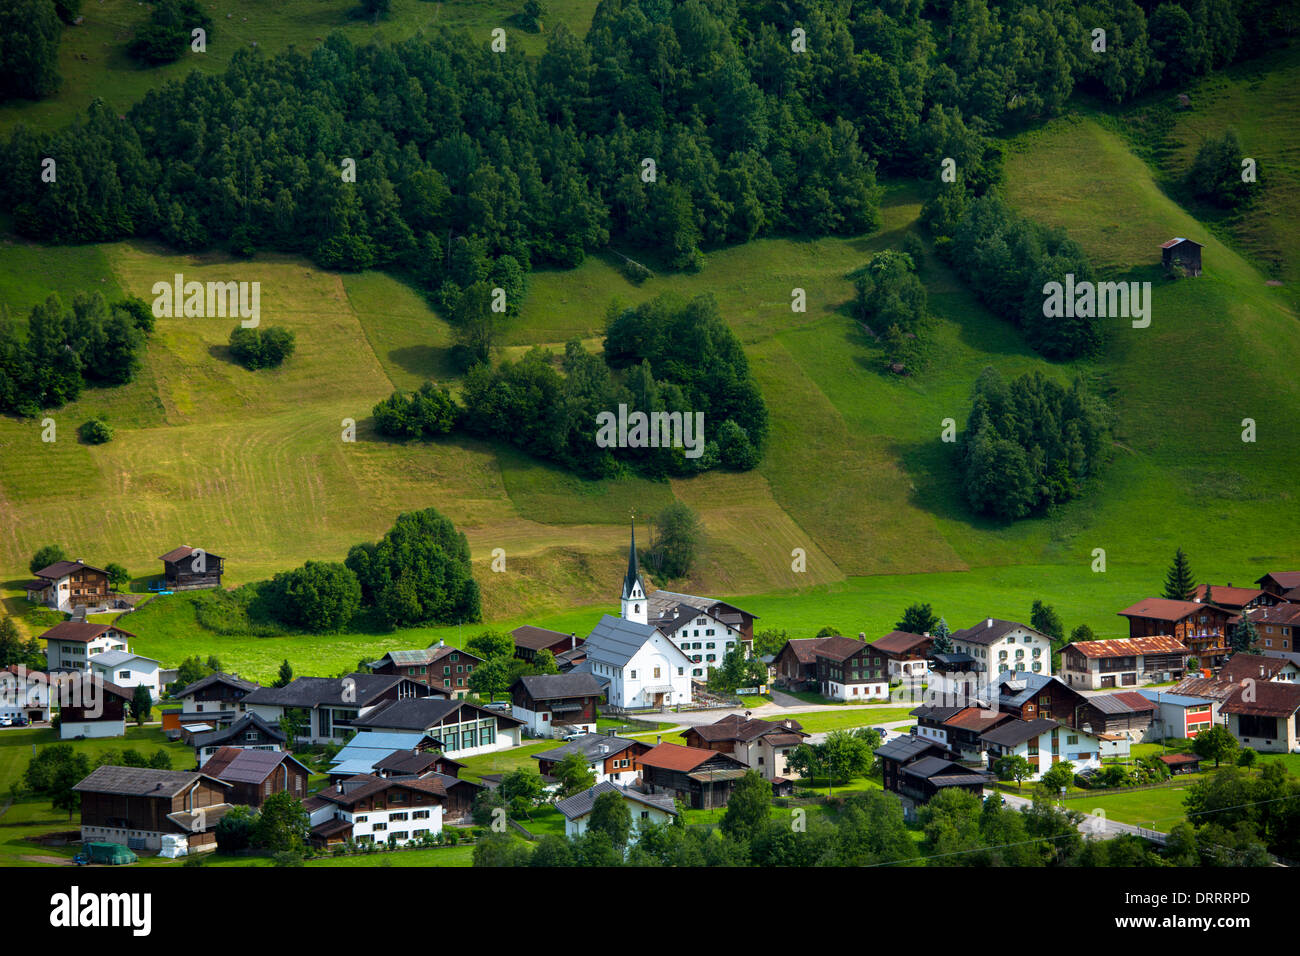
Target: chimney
(338,787)
(989,622)
(573,639)
(659,738)
(862,636)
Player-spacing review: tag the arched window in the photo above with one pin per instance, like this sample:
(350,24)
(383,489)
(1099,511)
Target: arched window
(636,608)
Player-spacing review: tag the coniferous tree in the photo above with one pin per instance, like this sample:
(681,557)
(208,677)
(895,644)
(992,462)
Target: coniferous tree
(1180,584)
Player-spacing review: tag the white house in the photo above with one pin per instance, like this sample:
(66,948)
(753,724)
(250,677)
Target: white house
(71,645)
(128,670)
(610,758)
(556,705)
(1043,742)
(647,809)
(999,646)
(24,693)
(636,664)
(371,809)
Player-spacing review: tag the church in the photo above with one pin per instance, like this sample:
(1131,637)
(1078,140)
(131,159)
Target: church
(661,642)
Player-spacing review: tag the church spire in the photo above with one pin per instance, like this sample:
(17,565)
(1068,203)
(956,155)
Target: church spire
(634,600)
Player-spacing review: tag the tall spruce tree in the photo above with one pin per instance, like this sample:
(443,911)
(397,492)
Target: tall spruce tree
(1180,585)
(941,639)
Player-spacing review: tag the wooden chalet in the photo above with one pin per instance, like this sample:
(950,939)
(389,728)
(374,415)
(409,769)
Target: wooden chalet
(190,569)
(616,759)
(551,705)
(762,745)
(1284,585)
(917,768)
(1126,713)
(140,806)
(68,585)
(1202,628)
(254,775)
(702,779)
(851,670)
(958,727)
(796,663)
(441,668)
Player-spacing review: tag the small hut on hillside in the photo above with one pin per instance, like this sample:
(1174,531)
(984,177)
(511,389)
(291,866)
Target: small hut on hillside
(1184,252)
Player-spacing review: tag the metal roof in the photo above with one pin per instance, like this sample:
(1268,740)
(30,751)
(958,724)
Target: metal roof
(581,804)
(615,641)
(1178,700)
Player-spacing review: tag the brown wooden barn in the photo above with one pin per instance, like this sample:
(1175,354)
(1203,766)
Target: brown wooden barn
(1183,252)
(139,806)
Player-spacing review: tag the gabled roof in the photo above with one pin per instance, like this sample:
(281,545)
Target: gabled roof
(538,638)
(81,631)
(1163,609)
(213,738)
(63,568)
(910,747)
(614,641)
(804,649)
(1226,596)
(117,658)
(238,765)
(991,629)
(418,713)
(558,686)
(1285,614)
(368,747)
(1017,687)
(677,757)
(184,551)
(219,677)
(1125,702)
(899,643)
(737,727)
(411,761)
(1286,580)
(941,772)
(839,648)
(1178,700)
(314,692)
(423,657)
(1017,731)
(581,804)
(588,746)
(1129,647)
(1270,699)
(1178,240)
(142,781)
(355,789)
(1241,666)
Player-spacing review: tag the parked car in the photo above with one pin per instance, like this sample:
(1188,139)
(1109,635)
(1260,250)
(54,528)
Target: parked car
(501,705)
(21,721)
(883,731)
(6,721)
(573,736)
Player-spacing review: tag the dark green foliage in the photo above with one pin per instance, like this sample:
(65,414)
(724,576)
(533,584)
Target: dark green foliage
(426,413)
(374,9)
(1007,260)
(67,9)
(66,350)
(141,705)
(235,830)
(43,558)
(118,576)
(319,596)
(1180,582)
(29,49)
(1043,618)
(54,771)
(610,817)
(736,671)
(1215,173)
(261,348)
(1030,444)
(491,645)
(533,15)
(918,619)
(748,806)
(675,542)
(282,824)
(284,677)
(166,34)
(95,432)
(574,773)
(1245,636)
(418,573)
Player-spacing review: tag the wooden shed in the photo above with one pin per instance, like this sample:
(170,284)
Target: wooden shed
(1184,252)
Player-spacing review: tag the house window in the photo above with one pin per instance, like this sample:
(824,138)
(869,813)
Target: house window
(632,676)
(656,673)
(381,826)
(681,671)
(455,658)
(1071,739)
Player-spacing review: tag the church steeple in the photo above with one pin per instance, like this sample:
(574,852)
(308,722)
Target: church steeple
(634,602)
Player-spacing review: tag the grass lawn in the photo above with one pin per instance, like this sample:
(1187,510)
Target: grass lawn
(818,722)
(542,821)
(503,761)
(16,748)
(1158,808)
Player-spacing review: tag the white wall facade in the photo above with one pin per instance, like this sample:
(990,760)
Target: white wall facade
(642,815)
(76,655)
(91,728)
(632,685)
(708,639)
(131,674)
(1023,649)
(868,690)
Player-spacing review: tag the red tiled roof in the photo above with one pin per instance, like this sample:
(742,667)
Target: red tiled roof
(1162,609)
(1133,700)
(1130,647)
(1253,666)
(675,757)
(1178,759)
(839,648)
(82,631)
(1231,597)
(1270,700)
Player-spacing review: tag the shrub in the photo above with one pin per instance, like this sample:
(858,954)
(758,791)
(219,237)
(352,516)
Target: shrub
(261,348)
(95,432)
(165,35)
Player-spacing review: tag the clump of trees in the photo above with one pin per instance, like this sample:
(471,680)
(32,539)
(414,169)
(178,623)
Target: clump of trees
(166,33)
(29,49)
(319,596)
(418,573)
(96,431)
(1007,260)
(425,413)
(1215,175)
(1029,444)
(14,651)
(891,300)
(67,350)
(261,348)
(675,541)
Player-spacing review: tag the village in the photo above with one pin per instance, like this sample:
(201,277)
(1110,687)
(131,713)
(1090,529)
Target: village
(405,754)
